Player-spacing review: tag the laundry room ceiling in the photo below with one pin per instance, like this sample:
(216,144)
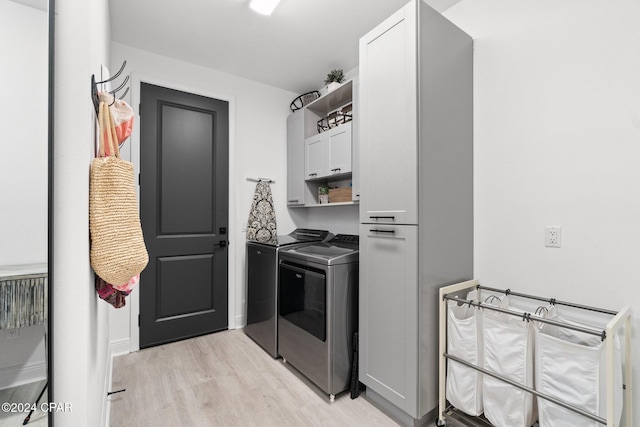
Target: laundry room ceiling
(292,49)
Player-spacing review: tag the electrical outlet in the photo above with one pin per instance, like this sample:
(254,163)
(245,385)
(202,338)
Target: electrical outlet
(553,237)
(12,333)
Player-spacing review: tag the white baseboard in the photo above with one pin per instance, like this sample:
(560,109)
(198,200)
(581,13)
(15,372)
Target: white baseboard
(116,348)
(120,347)
(14,376)
(106,403)
(241,322)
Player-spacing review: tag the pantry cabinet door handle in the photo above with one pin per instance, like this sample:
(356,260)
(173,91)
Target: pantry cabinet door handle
(293,201)
(335,170)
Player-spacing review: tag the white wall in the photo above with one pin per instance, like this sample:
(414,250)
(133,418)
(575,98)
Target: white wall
(23,114)
(80,324)
(257,149)
(23,170)
(557,142)
(336,219)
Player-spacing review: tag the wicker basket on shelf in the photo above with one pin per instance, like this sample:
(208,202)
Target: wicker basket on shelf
(336,118)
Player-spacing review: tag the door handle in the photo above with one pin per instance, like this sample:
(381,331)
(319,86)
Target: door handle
(374,230)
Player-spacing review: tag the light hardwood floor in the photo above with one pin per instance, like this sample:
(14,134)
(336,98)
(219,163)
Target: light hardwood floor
(26,393)
(225,379)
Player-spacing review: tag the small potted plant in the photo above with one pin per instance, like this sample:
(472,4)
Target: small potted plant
(323,194)
(334,79)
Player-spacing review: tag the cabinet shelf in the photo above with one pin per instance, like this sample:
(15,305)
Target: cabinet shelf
(323,205)
(338,176)
(333,100)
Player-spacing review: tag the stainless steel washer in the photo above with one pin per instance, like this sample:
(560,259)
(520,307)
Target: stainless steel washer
(262,284)
(318,311)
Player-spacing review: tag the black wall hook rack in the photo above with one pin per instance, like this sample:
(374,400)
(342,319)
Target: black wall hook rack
(94,87)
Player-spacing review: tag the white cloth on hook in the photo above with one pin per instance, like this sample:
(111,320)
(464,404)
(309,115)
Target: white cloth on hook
(122,114)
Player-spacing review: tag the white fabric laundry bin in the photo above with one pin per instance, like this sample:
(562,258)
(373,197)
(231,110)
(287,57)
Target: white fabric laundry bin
(464,384)
(508,351)
(571,366)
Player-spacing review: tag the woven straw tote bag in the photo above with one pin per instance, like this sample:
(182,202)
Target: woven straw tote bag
(118,251)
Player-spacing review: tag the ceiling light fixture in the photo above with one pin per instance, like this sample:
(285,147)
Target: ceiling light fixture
(264,7)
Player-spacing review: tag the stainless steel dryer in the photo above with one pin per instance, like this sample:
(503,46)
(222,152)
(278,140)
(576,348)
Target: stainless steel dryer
(262,284)
(318,311)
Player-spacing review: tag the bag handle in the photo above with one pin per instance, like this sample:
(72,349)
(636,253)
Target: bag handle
(101,129)
(115,147)
(105,115)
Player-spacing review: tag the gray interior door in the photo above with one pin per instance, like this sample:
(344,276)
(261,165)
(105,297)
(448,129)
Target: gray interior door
(184,143)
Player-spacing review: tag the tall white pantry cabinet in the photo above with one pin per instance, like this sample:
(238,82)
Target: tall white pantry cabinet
(416,203)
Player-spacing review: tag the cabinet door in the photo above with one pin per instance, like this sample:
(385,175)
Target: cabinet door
(388,121)
(388,351)
(295,159)
(339,145)
(355,143)
(315,157)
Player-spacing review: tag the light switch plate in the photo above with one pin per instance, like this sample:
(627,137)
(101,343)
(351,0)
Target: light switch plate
(12,333)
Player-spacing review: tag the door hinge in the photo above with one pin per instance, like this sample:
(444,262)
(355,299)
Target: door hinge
(140,109)
(138,320)
(138,180)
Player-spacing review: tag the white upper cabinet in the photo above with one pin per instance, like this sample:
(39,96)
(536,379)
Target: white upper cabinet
(388,121)
(315,157)
(339,142)
(328,153)
(320,149)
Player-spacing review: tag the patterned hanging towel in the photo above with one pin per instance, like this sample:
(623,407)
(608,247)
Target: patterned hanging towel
(262,218)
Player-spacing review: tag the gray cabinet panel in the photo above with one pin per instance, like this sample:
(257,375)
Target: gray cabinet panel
(355,143)
(388,114)
(415,104)
(295,159)
(388,312)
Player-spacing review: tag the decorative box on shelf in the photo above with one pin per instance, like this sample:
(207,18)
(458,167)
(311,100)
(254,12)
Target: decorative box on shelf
(338,195)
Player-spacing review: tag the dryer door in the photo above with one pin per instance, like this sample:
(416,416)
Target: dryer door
(303,293)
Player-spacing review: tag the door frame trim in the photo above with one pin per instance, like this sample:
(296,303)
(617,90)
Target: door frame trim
(137,79)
